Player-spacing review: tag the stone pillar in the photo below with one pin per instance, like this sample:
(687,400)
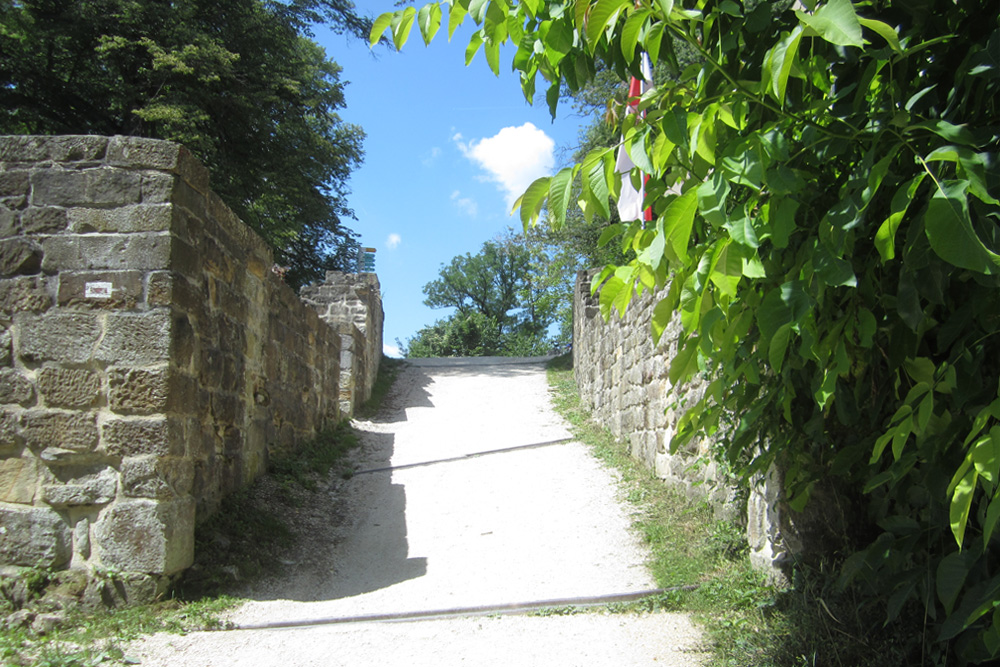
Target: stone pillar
(352,304)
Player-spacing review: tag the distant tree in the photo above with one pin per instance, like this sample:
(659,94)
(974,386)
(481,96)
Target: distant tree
(503,304)
(239,82)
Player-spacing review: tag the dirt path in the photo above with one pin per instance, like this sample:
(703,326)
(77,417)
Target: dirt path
(470,494)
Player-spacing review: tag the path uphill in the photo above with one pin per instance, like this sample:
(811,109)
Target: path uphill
(471,499)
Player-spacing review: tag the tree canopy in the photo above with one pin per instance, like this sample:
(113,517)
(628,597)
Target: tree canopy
(238,82)
(503,305)
(826,196)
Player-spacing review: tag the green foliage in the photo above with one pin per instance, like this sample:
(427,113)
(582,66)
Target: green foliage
(825,188)
(238,82)
(504,302)
(703,563)
(90,639)
(388,369)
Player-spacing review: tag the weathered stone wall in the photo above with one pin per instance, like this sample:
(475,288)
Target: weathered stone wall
(623,379)
(352,303)
(150,360)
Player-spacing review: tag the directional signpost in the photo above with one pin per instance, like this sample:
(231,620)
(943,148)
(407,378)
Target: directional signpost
(366,260)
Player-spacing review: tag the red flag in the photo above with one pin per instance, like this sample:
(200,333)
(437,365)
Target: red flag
(630,201)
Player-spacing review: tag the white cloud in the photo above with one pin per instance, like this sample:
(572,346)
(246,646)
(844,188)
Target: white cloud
(466,205)
(390,350)
(393,241)
(513,157)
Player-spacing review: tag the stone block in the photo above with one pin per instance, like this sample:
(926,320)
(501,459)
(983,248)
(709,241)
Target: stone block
(81,537)
(183,342)
(136,339)
(57,336)
(6,356)
(123,219)
(13,183)
(159,288)
(155,537)
(24,293)
(69,387)
(96,488)
(10,432)
(138,391)
(15,388)
(113,186)
(142,252)
(185,259)
(126,289)
(19,257)
(23,149)
(43,220)
(135,437)
(34,536)
(59,187)
(76,148)
(70,431)
(156,478)
(141,153)
(157,187)
(19,479)
(9,222)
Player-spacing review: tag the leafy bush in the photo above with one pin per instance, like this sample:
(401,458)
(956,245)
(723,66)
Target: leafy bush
(824,186)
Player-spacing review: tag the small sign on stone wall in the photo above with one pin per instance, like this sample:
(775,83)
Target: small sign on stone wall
(98,290)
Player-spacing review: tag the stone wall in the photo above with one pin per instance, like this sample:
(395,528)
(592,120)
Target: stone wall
(352,303)
(623,380)
(150,360)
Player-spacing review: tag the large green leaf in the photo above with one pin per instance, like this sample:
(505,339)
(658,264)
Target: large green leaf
(786,304)
(951,574)
(835,22)
(884,30)
(685,362)
(727,267)
(379,26)
(833,270)
(663,312)
(781,60)
(429,20)
(678,220)
(885,237)
(402,23)
(777,345)
(950,232)
(532,200)
(560,193)
(630,32)
(961,503)
(712,196)
(741,230)
(456,15)
(782,221)
(602,15)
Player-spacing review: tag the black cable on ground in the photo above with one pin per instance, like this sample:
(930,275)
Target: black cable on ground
(465,612)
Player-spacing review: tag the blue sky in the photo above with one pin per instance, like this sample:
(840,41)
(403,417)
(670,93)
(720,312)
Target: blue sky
(448,150)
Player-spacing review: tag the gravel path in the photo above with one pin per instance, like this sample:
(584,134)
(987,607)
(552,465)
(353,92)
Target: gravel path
(470,494)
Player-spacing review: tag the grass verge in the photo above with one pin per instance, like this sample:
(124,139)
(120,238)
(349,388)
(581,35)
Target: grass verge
(748,621)
(387,371)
